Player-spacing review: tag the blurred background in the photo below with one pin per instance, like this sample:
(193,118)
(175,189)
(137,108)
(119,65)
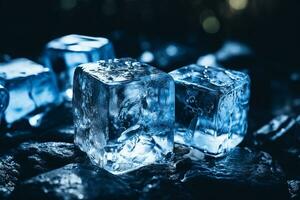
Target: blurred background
(263,37)
(271,27)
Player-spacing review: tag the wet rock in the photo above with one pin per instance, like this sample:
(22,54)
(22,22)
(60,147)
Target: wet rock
(242,174)
(294,189)
(11,139)
(164,189)
(281,137)
(9,175)
(36,158)
(139,178)
(75,181)
(275,130)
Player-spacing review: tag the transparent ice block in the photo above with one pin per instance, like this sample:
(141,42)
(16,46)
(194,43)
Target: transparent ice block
(211,107)
(123,113)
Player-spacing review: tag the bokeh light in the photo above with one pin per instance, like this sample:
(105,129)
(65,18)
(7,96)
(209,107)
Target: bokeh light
(147,57)
(238,4)
(211,24)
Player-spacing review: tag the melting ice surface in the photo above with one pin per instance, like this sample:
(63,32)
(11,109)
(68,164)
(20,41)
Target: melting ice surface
(64,54)
(211,107)
(123,113)
(30,86)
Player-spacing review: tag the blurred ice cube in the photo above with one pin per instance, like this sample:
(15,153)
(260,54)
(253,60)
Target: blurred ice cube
(31,86)
(230,51)
(64,54)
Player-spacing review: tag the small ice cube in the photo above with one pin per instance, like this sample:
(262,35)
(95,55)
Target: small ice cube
(64,54)
(211,107)
(123,113)
(31,86)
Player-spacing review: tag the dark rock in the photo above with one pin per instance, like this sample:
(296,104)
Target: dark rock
(11,139)
(164,189)
(75,181)
(294,189)
(36,158)
(9,175)
(139,178)
(159,181)
(242,174)
(281,137)
(275,130)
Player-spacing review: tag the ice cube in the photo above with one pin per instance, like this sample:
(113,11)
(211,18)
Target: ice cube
(123,113)
(31,86)
(211,107)
(64,54)
(4,99)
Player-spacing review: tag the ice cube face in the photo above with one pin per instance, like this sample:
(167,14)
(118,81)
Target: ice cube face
(123,113)
(211,107)
(64,54)
(31,86)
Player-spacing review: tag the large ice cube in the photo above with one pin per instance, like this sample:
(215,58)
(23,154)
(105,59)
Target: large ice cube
(64,54)
(31,86)
(124,113)
(211,107)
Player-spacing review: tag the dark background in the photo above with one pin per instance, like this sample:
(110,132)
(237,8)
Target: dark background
(269,27)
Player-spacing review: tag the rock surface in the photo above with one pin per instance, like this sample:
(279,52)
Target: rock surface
(36,158)
(45,164)
(75,181)
(9,175)
(281,138)
(243,174)
(44,169)
(294,189)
